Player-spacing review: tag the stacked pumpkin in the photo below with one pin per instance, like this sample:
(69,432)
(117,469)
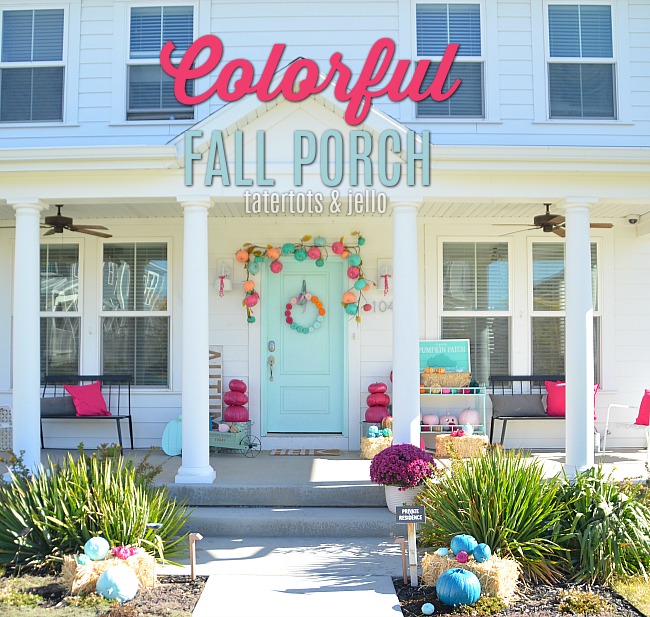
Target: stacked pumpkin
(379,434)
(378,402)
(236,400)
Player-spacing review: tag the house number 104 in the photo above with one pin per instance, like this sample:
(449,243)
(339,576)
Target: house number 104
(382,306)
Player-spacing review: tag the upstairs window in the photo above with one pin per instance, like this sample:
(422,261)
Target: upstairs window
(32,69)
(438,25)
(581,66)
(150,91)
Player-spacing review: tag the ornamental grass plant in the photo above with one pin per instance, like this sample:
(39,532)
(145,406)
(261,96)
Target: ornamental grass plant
(604,532)
(502,499)
(46,516)
(403,465)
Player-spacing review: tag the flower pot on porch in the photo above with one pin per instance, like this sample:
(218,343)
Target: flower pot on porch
(395,497)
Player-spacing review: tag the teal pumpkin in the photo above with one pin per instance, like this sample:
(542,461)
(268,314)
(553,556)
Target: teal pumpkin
(463,542)
(360,284)
(351,309)
(320,241)
(320,262)
(457,586)
(300,255)
(118,583)
(288,248)
(96,548)
(83,559)
(482,553)
(354,260)
(253,267)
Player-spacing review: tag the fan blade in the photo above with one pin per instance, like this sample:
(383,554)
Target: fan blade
(77,227)
(558,220)
(601,225)
(90,232)
(50,232)
(559,231)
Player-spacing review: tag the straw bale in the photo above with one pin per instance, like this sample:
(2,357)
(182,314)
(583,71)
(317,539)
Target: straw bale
(498,576)
(373,445)
(465,447)
(81,580)
(445,380)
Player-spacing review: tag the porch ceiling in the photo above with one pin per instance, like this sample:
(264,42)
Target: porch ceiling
(486,211)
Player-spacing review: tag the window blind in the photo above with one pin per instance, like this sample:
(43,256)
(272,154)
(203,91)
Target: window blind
(152,27)
(580,31)
(437,25)
(467,101)
(581,90)
(32,36)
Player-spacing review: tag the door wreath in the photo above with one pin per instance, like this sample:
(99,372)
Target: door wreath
(303,299)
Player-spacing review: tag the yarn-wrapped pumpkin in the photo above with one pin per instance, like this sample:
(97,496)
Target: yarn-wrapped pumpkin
(379,399)
(118,583)
(376,413)
(377,388)
(458,586)
(237,385)
(235,398)
(235,413)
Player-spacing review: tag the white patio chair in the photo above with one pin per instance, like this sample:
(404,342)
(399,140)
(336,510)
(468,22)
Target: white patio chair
(626,425)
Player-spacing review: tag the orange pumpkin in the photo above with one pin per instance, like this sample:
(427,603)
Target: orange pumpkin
(241,256)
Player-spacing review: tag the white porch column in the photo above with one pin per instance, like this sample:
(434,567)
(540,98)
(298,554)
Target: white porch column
(579,345)
(406,325)
(195,467)
(27,334)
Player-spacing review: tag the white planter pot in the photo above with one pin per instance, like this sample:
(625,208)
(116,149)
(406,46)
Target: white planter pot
(395,497)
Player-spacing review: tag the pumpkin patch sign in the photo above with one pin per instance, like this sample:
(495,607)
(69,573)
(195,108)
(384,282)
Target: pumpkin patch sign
(445,356)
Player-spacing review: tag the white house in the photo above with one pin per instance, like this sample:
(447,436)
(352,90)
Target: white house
(553,108)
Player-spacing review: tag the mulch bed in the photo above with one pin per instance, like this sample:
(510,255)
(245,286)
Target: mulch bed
(536,601)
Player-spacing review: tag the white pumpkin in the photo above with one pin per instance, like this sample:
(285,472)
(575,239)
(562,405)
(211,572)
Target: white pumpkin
(430,419)
(224,428)
(449,419)
(469,416)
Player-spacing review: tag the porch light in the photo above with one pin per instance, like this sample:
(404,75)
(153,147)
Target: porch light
(385,270)
(223,281)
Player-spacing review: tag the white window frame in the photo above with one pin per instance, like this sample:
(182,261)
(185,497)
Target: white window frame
(533,313)
(442,313)
(489,49)
(620,49)
(70,64)
(101,314)
(119,78)
(79,313)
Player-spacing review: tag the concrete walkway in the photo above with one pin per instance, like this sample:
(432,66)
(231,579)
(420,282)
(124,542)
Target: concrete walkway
(294,577)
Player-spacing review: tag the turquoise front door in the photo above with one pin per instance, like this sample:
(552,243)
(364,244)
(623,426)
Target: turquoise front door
(304,387)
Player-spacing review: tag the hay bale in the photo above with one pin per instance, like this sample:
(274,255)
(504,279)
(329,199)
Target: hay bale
(498,576)
(465,447)
(82,580)
(373,445)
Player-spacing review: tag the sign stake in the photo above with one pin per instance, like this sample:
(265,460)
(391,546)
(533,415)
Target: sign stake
(193,538)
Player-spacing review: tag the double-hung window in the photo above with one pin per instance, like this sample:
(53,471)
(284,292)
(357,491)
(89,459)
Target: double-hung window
(150,91)
(476,303)
(135,312)
(60,310)
(581,64)
(32,69)
(437,25)
(549,308)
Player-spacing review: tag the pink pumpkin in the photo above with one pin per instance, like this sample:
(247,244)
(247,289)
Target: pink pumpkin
(276,267)
(235,398)
(235,413)
(377,388)
(379,399)
(469,416)
(237,385)
(314,252)
(430,419)
(337,248)
(376,414)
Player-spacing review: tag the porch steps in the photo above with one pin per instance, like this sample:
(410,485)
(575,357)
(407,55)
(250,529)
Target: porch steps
(300,510)
(294,522)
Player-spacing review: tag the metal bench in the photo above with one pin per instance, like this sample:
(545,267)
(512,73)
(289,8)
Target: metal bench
(56,404)
(521,386)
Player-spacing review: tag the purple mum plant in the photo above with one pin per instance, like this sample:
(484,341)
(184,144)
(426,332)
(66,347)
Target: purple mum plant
(403,465)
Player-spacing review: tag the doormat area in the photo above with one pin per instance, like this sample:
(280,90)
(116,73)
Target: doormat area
(304,452)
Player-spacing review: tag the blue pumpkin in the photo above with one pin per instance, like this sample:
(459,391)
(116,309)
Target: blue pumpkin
(83,559)
(463,542)
(457,586)
(118,583)
(428,609)
(96,548)
(482,553)
(442,552)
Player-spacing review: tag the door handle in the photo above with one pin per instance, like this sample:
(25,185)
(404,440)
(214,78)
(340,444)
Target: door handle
(271,362)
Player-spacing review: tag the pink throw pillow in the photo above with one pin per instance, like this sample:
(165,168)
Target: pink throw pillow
(88,400)
(556,398)
(644,410)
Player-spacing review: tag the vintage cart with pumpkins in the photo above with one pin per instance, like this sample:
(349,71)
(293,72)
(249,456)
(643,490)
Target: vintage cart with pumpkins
(237,437)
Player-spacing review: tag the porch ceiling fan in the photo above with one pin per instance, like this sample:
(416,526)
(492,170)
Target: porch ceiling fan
(58,223)
(555,223)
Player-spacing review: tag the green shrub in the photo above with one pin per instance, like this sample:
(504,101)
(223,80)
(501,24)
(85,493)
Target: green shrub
(576,602)
(603,532)
(501,499)
(46,516)
(484,607)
